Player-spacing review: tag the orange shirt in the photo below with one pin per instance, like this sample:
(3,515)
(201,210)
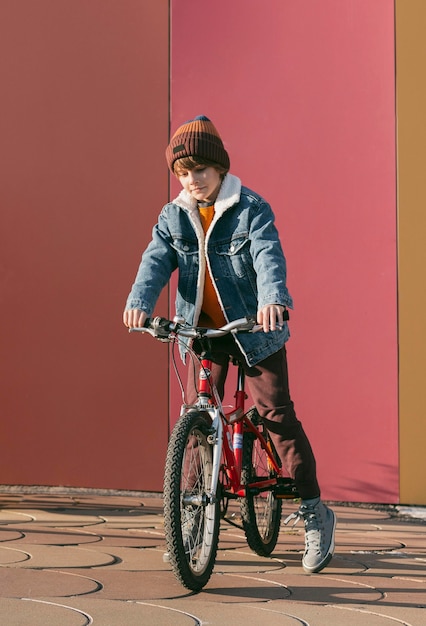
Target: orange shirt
(211,314)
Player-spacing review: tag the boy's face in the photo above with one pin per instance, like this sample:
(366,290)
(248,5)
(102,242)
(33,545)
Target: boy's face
(202,182)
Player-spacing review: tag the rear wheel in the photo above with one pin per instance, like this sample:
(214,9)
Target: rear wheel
(191,519)
(260,510)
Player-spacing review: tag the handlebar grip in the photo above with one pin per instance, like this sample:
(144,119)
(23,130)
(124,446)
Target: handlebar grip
(160,325)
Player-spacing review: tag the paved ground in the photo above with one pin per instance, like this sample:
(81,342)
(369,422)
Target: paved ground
(80,557)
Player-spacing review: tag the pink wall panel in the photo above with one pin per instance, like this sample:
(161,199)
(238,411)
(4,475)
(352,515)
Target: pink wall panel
(83,125)
(303,95)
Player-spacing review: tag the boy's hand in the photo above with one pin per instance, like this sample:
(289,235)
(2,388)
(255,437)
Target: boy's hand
(134,318)
(271,317)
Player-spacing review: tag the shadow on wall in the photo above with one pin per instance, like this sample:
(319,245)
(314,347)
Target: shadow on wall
(381,489)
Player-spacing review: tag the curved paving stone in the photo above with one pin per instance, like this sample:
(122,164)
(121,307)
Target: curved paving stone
(288,539)
(138,559)
(153,502)
(338,615)
(117,613)
(134,520)
(137,585)
(131,538)
(399,591)
(13,556)
(231,538)
(106,501)
(346,541)
(10,500)
(346,514)
(11,517)
(233,587)
(280,613)
(376,578)
(61,557)
(339,563)
(398,564)
(226,544)
(251,614)
(412,537)
(245,562)
(45,501)
(342,564)
(63,519)
(150,528)
(291,560)
(37,534)
(327,589)
(163,585)
(114,513)
(10,534)
(27,583)
(366,542)
(36,613)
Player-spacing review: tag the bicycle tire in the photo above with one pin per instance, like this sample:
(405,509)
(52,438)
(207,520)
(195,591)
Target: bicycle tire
(260,511)
(191,520)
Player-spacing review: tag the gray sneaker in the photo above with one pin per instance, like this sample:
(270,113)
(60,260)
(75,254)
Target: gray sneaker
(320,526)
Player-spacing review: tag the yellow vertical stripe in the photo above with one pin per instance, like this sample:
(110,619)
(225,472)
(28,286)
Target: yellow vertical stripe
(411,108)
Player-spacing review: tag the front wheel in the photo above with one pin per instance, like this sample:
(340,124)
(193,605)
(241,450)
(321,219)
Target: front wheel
(191,515)
(260,510)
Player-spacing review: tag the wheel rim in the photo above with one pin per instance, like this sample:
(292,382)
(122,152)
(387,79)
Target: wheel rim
(197,512)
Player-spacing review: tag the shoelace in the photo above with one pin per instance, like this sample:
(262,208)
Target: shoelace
(313,524)
(297,516)
(315,527)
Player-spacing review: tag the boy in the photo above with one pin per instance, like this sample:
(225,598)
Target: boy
(222,239)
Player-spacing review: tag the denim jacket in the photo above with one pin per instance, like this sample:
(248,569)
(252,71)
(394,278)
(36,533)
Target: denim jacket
(241,250)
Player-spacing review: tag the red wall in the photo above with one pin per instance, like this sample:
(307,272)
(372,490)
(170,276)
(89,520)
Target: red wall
(303,95)
(84,122)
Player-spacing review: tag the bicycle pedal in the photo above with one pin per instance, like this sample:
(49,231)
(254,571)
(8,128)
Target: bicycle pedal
(253,415)
(166,557)
(286,489)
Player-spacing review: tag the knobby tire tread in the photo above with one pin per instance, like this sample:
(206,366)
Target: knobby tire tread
(193,573)
(261,530)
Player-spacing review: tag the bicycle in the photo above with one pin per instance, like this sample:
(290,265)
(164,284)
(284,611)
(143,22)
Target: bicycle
(215,456)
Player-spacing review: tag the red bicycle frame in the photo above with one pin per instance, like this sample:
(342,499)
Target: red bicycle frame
(235,423)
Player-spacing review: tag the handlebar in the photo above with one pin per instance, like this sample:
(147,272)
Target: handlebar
(164,329)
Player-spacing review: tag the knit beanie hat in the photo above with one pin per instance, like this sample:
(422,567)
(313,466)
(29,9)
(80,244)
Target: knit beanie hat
(197,137)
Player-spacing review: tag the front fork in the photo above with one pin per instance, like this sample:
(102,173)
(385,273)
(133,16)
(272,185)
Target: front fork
(216,439)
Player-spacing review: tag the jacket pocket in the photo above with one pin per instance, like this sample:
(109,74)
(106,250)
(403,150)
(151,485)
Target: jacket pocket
(234,256)
(187,255)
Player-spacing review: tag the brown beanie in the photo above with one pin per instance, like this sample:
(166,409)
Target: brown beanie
(197,137)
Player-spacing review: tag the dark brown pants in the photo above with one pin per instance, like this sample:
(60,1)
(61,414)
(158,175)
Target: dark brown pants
(268,384)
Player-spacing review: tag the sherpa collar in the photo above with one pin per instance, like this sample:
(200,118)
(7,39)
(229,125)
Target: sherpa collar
(229,194)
